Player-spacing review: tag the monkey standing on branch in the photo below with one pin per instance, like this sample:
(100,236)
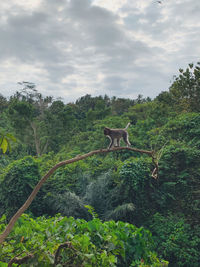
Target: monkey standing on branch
(117,134)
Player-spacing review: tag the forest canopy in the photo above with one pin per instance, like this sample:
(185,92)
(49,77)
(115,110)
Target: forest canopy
(106,209)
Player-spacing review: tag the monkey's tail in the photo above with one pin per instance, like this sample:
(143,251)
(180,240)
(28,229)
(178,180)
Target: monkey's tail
(127,125)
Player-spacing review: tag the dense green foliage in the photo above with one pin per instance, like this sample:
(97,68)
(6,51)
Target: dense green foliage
(176,239)
(117,185)
(18,181)
(90,243)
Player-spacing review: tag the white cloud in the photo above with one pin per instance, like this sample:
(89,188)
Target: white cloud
(74,47)
(113,5)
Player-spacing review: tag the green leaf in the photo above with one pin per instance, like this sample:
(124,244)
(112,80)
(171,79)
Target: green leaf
(4,144)
(3,264)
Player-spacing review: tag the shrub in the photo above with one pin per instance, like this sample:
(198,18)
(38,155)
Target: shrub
(83,243)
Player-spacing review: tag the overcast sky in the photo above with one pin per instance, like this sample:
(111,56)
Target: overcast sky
(122,48)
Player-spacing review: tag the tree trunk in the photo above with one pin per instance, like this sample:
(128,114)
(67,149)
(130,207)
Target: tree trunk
(37,141)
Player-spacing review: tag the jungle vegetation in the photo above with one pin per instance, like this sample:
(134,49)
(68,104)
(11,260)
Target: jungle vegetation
(106,210)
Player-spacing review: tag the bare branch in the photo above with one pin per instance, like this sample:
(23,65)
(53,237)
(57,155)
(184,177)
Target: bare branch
(155,171)
(20,260)
(53,169)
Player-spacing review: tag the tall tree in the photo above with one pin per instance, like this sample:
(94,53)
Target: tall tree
(185,90)
(27,112)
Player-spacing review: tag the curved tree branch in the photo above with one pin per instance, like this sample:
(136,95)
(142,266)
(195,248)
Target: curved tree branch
(20,260)
(53,169)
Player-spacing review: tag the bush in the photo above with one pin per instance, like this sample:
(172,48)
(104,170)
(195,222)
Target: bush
(83,243)
(175,240)
(16,184)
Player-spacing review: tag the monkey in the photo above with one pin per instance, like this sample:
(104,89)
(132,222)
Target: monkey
(117,134)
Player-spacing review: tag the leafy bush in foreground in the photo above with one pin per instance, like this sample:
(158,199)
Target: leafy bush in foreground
(78,243)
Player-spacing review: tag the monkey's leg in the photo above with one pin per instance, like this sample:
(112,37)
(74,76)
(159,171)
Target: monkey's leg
(111,142)
(118,142)
(126,140)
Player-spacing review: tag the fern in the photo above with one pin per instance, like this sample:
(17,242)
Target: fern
(122,211)
(91,211)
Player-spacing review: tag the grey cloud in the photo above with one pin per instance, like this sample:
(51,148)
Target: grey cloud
(42,37)
(26,38)
(139,81)
(98,24)
(79,40)
(115,83)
